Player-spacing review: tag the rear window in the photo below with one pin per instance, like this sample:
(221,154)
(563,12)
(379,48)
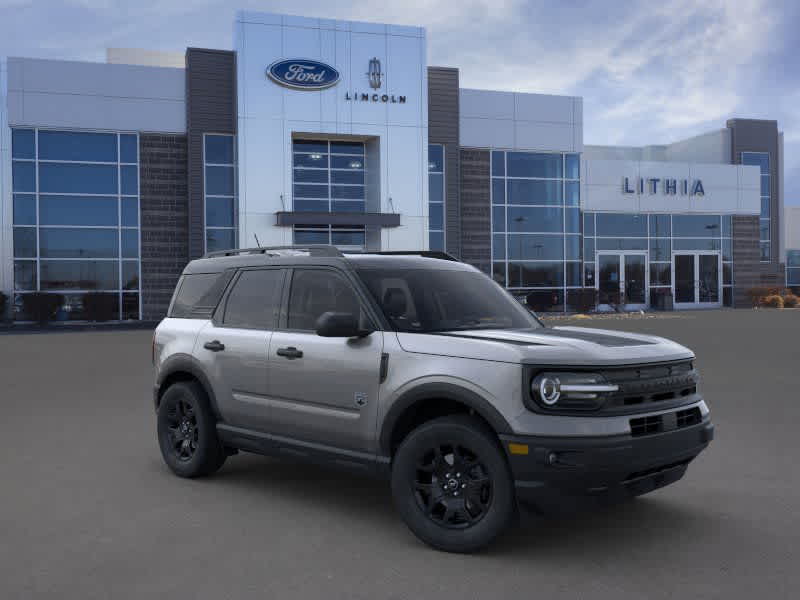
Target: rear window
(198,294)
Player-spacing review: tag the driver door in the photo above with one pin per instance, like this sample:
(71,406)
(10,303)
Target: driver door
(323,390)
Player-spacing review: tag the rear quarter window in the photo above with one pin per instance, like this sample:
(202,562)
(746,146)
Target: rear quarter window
(198,294)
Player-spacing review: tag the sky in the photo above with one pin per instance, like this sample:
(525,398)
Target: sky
(649,72)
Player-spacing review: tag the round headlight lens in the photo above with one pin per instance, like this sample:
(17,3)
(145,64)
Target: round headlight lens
(548,388)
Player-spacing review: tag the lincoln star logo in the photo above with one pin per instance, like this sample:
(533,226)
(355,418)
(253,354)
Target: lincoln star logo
(374,74)
(303,74)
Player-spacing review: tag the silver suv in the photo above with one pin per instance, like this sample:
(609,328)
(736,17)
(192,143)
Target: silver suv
(421,369)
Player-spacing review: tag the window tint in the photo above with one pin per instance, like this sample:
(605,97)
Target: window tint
(198,294)
(254,299)
(316,291)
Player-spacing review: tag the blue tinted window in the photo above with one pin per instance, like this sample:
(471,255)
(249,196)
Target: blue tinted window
(25,242)
(572,191)
(764,229)
(129,183)
(310,146)
(77,179)
(25,275)
(498,191)
(339,162)
(436,216)
(696,225)
(695,244)
(23,176)
(793,277)
(356,177)
(765,208)
(80,275)
(660,249)
(23,143)
(128,149)
(219,239)
(130,275)
(621,244)
(759,159)
(347,238)
(498,164)
(219,149)
(436,241)
(660,226)
(537,220)
(78,243)
(535,247)
(436,188)
(77,210)
(219,212)
(348,206)
(130,243)
(219,181)
(793,258)
(727,249)
(130,212)
(624,225)
(435,158)
(499,246)
(311,205)
(529,164)
(320,161)
(529,191)
(311,175)
(766,251)
(311,237)
(310,191)
(727,225)
(588,249)
(498,218)
(347,192)
(73,145)
(573,166)
(572,220)
(347,148)
(765,185)
(573,274)
(588,224)
(24,209)
(532,274)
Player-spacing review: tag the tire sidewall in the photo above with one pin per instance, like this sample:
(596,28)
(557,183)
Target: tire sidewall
(472,435)
(208,456)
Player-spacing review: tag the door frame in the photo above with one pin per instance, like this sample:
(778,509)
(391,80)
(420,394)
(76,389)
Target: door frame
(621,254)
(697,254)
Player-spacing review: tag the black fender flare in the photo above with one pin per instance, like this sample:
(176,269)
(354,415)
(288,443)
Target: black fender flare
(434,390)
(187,364)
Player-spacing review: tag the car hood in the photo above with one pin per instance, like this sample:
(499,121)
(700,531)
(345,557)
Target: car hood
(547,345)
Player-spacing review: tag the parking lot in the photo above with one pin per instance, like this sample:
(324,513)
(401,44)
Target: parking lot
(88,510)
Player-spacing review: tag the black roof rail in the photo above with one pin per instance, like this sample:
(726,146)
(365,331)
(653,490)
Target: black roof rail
(424,253)
(312,249)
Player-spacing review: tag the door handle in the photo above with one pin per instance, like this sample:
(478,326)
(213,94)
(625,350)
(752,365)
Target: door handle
(291,352)
(215,346)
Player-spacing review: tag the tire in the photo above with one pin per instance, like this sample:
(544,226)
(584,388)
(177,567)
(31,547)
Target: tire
(187,433)
(429,490)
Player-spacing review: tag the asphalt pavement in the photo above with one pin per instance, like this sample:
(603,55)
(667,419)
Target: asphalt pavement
(88,510)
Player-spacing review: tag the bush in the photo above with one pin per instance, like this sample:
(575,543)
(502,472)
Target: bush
(773,301)
(98,306)
(758,295)
(790,301)
(41,306)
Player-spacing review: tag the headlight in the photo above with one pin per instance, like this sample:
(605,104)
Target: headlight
(571,390)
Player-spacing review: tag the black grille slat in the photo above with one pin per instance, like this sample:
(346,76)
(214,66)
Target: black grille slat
(650,385)
(647,425)
(688,417)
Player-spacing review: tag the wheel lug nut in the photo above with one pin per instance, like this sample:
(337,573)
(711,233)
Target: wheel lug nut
(463,485)
(458,474)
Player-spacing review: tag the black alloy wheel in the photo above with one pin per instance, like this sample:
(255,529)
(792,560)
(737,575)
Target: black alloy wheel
(183,429)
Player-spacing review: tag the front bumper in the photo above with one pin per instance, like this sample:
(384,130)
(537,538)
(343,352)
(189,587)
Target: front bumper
(561,472)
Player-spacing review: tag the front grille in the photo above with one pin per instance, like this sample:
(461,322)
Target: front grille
(665,422)
(648,386)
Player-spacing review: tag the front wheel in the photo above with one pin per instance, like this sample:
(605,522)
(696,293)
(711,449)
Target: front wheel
(452,485)
(187,432)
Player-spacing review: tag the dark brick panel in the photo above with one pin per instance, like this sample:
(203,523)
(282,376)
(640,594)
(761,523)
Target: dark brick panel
(163,193)
(476,215)
(443,128)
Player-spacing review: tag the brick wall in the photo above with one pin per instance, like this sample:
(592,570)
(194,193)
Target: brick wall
(476,207)
(746,253)
(164,219)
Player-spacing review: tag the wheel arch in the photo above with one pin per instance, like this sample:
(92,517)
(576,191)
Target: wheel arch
(184,368)
(429,401)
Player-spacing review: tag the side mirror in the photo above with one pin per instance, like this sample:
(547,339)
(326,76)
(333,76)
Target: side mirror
(337,324)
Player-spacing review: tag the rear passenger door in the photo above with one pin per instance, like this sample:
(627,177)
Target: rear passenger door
(234,345)
(324,390)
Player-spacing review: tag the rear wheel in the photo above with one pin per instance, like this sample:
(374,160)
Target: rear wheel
(187,432)
(452,485)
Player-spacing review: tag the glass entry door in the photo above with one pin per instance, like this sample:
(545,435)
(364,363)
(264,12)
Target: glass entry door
(622,279)
(697,279)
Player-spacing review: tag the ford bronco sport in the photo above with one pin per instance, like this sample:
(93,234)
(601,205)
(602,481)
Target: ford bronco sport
(420,368)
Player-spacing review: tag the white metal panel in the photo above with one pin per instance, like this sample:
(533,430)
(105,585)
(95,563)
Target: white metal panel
(261,18)
(405,79)
(486,104)
(546,136)
(486,133)
(364,47)
(543,107)
(6,205)
(301,105)
(404,150)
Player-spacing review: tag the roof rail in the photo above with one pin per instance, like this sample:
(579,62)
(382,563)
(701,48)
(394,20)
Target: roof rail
(312,249)
(424,253)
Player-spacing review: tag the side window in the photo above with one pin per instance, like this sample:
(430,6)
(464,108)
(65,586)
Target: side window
(316,291)
(197,295)
(253,302)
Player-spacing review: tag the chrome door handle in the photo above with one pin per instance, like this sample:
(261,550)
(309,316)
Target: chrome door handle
(291,352)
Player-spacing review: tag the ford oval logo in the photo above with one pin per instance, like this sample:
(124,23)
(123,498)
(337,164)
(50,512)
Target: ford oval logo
(303,74)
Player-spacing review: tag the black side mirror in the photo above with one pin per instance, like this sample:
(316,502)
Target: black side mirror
(337,324)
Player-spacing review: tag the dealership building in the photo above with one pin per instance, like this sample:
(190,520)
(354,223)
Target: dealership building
(113,175)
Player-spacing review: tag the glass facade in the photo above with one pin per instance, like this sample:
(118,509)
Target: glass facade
(761,160)
(219,166)
(76,219)
(536,241)
(436,197)
(328,176)
(793,268)
(659,235)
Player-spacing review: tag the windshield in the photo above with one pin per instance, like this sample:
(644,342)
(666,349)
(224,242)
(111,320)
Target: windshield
(431,301)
